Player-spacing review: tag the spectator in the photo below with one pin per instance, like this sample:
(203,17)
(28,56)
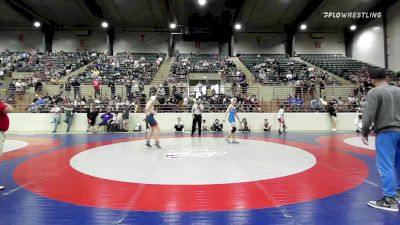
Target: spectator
(217,126)
(67,88)
(245,125)
(111,85)
(358,123)
(96,86)
(69,115)
(267,125)
(91,115)
(125,120)
(76,84)
(332,109)
(179,127)
(204,126)
(56,115)
(106,120)
(38,86)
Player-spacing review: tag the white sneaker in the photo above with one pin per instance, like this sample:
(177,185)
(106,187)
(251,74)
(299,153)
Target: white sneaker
(2,188)
(333,129)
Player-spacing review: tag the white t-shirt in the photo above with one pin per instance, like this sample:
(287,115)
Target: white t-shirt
(281,114)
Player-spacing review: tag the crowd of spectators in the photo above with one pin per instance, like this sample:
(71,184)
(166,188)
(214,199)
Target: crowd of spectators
(276,69)
(124,68)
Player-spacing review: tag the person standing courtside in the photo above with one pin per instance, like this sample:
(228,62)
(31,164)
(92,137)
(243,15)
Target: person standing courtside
(197,110)
(4,124)
(383,109)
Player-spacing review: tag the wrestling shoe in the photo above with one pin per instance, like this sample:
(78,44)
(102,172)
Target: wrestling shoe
(158,144)
(397,197)
(386,203)
(235,142)
(148,144)
(227,140)
(2,188)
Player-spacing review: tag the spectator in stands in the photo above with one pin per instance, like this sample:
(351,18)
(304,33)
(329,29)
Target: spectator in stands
(38,86)
(267,125)
(322,89)
(56,116)
(76,84)
(179,127)
(204,126)
(106,120)
(96,86)
(111,85)
(69,115)
(316,104)
(67,88)
(18,87)
(217,126)
(128,86)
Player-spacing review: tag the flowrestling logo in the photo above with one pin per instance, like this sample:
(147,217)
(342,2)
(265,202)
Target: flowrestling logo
(352,15)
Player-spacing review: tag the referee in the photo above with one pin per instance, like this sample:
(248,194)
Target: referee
(197,109)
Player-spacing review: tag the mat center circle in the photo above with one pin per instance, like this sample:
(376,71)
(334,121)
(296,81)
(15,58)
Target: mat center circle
(193,161)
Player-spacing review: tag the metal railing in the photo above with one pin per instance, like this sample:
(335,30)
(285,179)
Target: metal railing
(139,107)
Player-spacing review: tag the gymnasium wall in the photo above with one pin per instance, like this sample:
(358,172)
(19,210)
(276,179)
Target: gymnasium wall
(331,43)
(259,43)
(393,37)
(70,42)
(146,42)
(19,41)
(40,122)
(197,47)
(368,44)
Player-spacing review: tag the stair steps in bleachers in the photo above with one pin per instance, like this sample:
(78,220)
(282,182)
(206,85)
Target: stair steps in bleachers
(163,71)
(243,68)
(75,73)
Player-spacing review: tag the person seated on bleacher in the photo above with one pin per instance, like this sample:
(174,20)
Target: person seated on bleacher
(217,126)
(106,120)
(267,125)
(179,127)
(299,102)
(316,104)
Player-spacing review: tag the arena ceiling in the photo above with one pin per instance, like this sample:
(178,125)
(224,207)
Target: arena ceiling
(155,15)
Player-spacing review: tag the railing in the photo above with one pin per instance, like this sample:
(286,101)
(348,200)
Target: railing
(265,107)
(337,91)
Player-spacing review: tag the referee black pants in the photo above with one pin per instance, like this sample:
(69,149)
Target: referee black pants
(196,120)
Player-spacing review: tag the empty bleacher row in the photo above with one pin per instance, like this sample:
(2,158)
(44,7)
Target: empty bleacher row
(337,64)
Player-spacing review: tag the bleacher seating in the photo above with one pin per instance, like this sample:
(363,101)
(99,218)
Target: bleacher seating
(275,67)
(336,63)
(124,66)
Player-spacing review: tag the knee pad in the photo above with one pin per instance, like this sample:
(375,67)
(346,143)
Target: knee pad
(233,129)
